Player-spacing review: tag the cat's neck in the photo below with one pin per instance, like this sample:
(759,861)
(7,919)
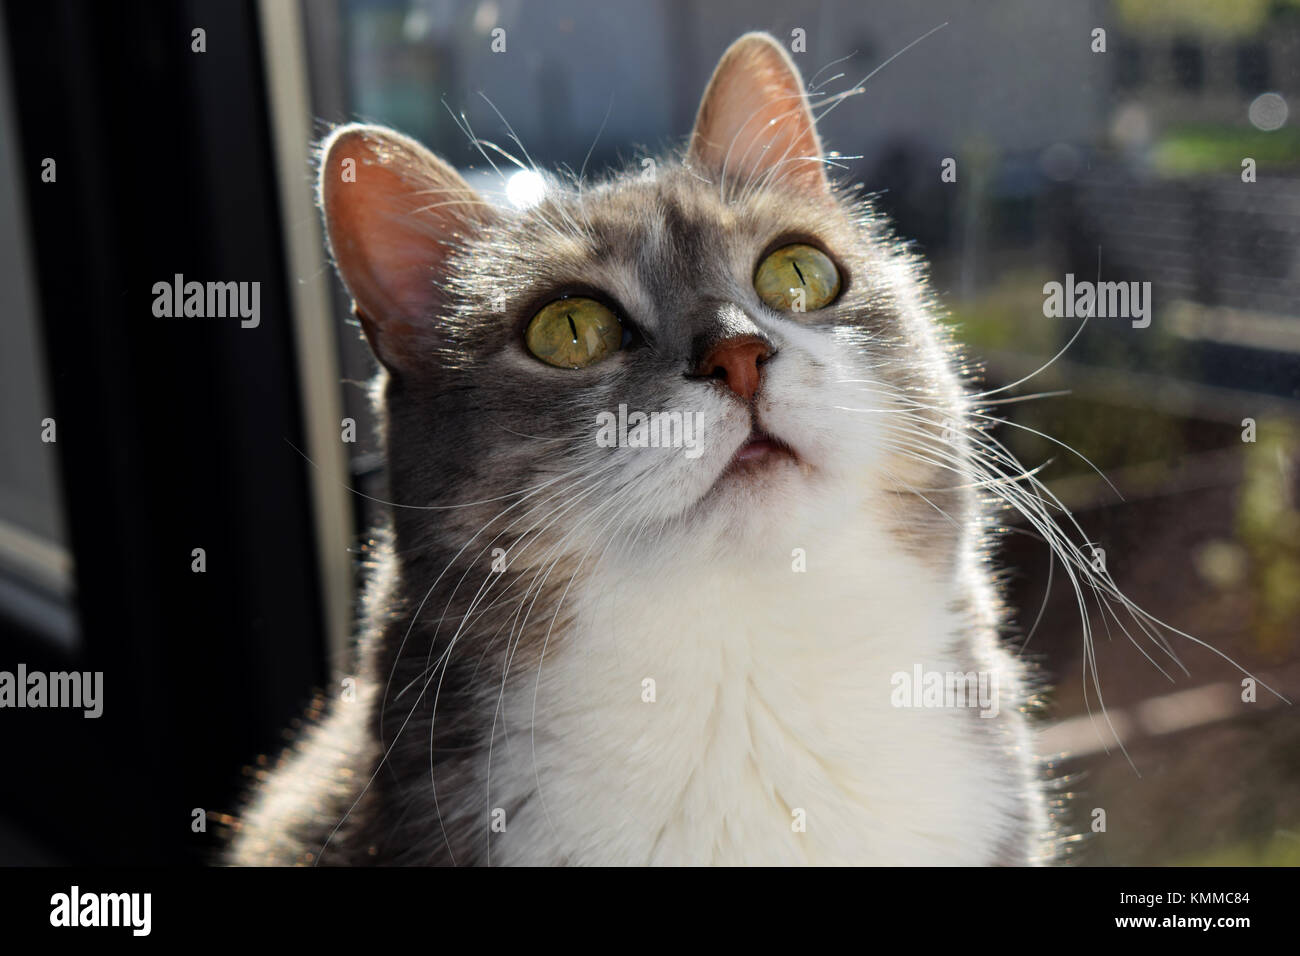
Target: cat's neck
(703,712)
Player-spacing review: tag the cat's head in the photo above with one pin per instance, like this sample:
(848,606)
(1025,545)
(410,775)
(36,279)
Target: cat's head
(731,304)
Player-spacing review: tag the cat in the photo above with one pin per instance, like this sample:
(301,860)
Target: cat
(612,652)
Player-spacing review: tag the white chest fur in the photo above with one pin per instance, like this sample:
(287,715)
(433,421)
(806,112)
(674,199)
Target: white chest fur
(771,736)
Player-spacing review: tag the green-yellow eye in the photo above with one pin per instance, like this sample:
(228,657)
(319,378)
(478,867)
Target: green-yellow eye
(573,333)
(797,278)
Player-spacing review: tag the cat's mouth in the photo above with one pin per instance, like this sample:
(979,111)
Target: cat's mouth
(761,450)
(762,462)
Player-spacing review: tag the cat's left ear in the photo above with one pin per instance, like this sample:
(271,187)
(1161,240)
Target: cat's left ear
(754,119)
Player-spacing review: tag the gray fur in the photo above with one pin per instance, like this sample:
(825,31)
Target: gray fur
(475,419)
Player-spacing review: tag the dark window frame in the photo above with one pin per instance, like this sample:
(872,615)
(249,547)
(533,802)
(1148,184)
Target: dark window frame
(173,433)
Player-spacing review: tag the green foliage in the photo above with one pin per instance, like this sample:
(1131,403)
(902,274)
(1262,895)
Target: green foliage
(1282,850)
(1268,525)
(1200,150)
(1215,19)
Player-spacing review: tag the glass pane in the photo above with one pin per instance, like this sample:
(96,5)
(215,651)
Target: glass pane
(31,532)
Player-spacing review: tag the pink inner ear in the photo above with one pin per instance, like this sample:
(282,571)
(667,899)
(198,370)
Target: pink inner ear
(393,211)
(754,119)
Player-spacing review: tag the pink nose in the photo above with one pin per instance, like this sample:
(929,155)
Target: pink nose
(737,361)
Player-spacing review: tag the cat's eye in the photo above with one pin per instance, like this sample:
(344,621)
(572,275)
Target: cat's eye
(797,278)
(574,333)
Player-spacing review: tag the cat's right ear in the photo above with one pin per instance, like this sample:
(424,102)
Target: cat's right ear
(393,213)
(755,119)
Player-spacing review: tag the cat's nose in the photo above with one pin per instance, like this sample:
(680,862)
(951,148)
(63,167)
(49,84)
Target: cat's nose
(738,361)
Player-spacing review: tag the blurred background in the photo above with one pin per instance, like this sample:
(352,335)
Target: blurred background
(1076,152)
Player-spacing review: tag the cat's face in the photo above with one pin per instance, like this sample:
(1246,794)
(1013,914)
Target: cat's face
(731,310)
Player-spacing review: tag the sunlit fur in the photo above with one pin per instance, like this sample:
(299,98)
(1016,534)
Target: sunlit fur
(772,685)
(534,586)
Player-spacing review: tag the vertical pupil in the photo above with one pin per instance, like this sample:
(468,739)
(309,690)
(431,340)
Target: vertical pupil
(573,328)
(802,280)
